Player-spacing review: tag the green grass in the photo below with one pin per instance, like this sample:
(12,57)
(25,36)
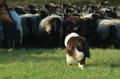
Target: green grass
(51,64)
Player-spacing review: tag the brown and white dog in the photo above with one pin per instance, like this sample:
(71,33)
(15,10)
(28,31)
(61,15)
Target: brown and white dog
(77,49)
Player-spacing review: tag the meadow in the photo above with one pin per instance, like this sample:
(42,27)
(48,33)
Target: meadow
(40,63)
(51,64)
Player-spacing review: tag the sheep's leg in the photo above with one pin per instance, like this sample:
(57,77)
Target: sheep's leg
(49,42)
(9,43)
(21,35)
(62,37)
(13,43)
(117,44)
(1,44)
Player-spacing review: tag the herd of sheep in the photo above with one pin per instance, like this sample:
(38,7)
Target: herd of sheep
(48,26)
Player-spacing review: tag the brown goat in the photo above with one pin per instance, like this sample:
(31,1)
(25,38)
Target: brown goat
(70,24)
(9,26)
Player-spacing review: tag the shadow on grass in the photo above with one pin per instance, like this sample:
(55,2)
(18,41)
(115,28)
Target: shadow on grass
(107,64)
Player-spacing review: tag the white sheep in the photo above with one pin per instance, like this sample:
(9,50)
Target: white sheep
(50,28)
(34,24)
(108,30)
(17,20)
(117,22)
(30,24)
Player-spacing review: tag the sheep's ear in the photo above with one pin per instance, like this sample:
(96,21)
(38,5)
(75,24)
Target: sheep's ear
(81,16)
(98,6)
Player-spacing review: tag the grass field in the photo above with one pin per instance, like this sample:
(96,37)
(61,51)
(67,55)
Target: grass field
(51,64)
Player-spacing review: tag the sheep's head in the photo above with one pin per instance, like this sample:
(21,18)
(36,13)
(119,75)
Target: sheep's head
(2,3)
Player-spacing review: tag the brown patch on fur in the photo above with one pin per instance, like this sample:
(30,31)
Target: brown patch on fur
(9,26)
(73,19)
